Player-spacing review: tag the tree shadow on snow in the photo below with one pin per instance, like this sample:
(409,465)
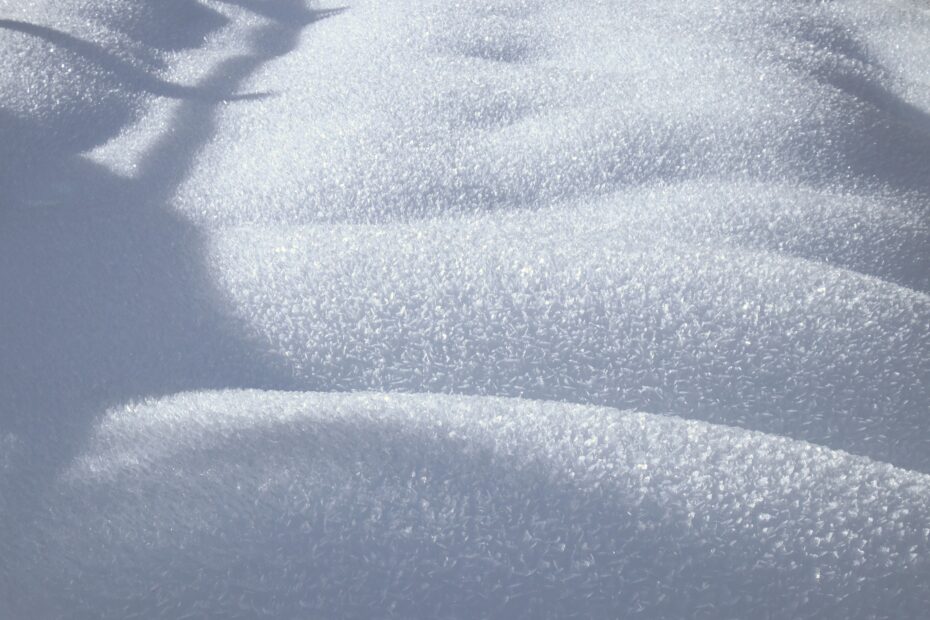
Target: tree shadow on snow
(129,76)
(104,298)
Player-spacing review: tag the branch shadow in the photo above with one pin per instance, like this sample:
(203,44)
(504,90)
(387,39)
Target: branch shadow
(293,14)
(104,294)
(155,24)
(129,76)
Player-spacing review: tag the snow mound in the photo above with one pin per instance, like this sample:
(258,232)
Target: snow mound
(594,307)
(713,209)
(452,107)
(246,504)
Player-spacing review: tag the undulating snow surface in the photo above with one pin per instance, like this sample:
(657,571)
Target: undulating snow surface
(242,504)
(690,240)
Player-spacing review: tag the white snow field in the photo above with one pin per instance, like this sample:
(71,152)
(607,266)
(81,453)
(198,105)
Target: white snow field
(464,309)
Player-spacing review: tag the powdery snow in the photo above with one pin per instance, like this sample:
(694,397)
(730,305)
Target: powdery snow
(592,307)
(712,213)
(246,504)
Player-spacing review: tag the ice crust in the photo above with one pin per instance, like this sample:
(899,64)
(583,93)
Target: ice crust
(672,258)
(245,504)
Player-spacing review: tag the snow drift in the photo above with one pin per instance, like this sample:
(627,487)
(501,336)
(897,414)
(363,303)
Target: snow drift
(244,504)
(712,213)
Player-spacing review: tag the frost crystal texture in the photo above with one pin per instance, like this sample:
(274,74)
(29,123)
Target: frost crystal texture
(464,308)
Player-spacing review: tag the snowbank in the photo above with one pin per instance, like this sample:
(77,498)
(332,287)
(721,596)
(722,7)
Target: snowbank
(246,504)
(712,211)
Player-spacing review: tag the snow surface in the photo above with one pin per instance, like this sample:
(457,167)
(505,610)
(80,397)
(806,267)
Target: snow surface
(243,504)
(690,240)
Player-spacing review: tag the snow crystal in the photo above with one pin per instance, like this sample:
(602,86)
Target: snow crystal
(359,505)
(690,240)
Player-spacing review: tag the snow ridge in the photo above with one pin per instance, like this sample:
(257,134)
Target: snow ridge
(424,505)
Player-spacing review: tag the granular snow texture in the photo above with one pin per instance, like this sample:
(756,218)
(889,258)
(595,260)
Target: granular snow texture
(474,308)
(245,504)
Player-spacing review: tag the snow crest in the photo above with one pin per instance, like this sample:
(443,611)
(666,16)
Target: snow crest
(365,505)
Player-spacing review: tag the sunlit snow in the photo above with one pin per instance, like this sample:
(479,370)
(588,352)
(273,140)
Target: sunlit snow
(464,309)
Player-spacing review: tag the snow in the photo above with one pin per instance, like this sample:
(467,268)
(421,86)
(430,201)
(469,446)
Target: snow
(671,258)
(593,308)
(242,504)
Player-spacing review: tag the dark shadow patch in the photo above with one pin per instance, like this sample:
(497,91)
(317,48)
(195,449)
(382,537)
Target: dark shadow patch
(890,140)
(155,23)
(104,298)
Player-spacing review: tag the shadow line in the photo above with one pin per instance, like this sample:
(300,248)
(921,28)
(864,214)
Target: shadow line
(296,14)
(131,77)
